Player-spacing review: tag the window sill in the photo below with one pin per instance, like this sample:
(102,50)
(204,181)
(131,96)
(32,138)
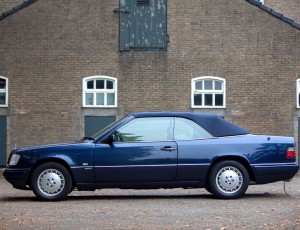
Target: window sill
(208,107)
(99,107)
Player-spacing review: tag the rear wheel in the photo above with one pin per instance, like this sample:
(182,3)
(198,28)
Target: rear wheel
(208,189)
(51,181)
(228,179)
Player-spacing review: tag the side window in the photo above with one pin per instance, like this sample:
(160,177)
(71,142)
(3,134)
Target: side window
(146,129)
(3,91)
(143,25)
(187,130)
(99,91)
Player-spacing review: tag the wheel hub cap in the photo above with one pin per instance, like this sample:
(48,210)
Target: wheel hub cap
(229,179)
(51,182)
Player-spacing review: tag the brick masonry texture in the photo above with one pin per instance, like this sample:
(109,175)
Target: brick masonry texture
(46,50)
(8,4)
(289,8)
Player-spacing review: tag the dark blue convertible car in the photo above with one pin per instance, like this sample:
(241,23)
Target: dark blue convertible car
(156,150)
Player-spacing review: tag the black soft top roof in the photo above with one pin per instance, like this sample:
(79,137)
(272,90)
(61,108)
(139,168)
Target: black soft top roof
(214,124)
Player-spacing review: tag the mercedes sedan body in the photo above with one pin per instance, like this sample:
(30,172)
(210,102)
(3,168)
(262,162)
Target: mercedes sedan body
(156,150)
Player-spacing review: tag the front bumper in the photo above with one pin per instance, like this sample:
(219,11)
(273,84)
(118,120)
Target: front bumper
(17,177)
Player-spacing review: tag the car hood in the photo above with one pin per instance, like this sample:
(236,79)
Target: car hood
(42,148)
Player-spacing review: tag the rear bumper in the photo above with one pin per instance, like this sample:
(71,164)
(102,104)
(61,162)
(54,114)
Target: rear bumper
(267,173)
(17,177)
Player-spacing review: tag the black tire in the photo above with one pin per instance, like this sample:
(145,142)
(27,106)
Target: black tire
(208,189)
(228,180)
(51,182)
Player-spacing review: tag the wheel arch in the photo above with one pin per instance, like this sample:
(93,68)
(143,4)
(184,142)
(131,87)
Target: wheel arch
(239,159)
(49,160)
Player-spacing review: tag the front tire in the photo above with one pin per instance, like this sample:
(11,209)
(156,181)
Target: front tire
(228,180)
(51,182)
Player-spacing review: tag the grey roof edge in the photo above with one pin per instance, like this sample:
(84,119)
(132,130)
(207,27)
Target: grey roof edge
(275,13)
(16,9)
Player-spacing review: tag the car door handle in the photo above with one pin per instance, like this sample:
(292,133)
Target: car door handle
(167,148)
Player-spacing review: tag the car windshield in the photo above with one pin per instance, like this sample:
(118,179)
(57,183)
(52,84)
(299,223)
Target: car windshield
(107,128)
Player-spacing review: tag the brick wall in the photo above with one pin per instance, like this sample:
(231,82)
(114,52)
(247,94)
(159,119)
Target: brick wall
(289,8)
(50,46)
(8,4)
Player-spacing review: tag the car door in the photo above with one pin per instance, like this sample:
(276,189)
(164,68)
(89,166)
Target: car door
(143,150)
(194,145)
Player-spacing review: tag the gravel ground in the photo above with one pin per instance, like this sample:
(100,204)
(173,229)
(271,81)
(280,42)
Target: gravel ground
(263,207)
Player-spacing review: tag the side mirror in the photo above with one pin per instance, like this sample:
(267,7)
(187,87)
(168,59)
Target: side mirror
(109,139)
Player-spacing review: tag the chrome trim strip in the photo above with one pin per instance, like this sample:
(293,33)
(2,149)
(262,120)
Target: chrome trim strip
(118,166)
(273,164)
(194,164)
(127,166)
(74,167)
(232,136)
(172,165)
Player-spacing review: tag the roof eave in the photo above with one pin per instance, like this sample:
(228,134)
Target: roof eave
(16,9)
(275,13)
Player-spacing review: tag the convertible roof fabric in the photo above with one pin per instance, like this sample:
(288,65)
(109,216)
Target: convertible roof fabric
(213,123)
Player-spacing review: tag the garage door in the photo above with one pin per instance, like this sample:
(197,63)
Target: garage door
(2,140)
(93,124)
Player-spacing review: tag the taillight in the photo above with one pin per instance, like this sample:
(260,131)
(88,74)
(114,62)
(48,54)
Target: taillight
(291,152)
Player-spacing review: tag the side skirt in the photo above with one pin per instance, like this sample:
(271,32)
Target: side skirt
(152,185)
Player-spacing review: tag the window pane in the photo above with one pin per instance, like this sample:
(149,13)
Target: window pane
(208,99)
(186,130)
(89,98)
(100,99)
(219,100)
(208,85)
(197,99)
(99,84)
(147,129)
(2,83)
(109,85)
(218,85)
(2,98)
(198,85)
(90,84)
(110,99)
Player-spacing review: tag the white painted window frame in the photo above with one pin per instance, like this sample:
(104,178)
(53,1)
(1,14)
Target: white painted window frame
(298,93)
(5,91)
(203,91)
(95,91)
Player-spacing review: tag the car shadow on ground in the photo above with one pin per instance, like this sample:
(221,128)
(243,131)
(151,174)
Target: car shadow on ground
(150,197)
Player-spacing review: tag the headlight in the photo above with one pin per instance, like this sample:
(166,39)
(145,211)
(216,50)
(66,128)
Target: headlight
(14,159)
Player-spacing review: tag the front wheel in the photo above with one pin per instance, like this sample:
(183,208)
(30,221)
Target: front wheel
(228,179)
(51,182)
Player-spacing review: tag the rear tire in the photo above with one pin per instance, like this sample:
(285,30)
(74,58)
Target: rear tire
(208,189)
(51,182)
(228,180)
